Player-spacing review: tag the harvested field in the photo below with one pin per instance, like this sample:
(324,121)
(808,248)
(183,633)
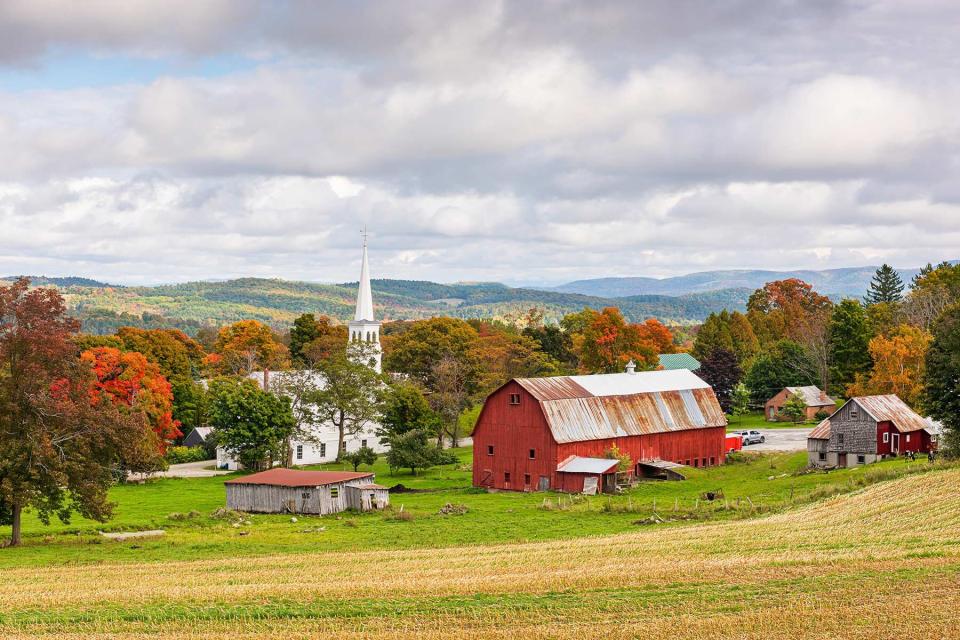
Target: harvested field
(881,562)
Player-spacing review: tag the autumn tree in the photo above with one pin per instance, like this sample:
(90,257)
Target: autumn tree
(886,286)
(781,309)
(849,339)
(725,330)
(932,291)
(313,339)
(608,343)
(58,448)
(898,366)
(247,346)
(552,340)
(423,343)
(127,379)
(942,377)
(722,371)
(449,397)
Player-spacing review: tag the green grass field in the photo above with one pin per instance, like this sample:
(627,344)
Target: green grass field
(756,420)
(751,485)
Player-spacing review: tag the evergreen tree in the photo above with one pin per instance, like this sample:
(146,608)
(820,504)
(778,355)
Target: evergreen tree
(886,286)
(849,341)
(713,334)
(942,377)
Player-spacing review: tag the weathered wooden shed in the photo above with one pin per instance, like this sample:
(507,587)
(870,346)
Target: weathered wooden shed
(314,492)
(530,427)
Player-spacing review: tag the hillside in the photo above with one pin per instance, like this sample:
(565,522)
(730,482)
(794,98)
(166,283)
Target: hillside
(194,304)
(852,281)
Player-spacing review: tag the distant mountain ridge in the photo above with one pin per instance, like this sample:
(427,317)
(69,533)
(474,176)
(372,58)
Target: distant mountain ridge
(849,281)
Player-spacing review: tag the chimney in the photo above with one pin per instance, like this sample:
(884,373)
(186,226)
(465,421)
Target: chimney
(823,396)
(631,367)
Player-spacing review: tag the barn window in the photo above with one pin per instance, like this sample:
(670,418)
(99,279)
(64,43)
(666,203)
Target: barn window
(687,462)
(299,452)
(533,453)
(526,479)
(334,492)
(822,456)
(506,477)
(908,437)
(713,461)
(861,459)
(343,446)
(854,411)
(696,463)
(514,398)
(489,449)
(323,449)
(886,437)
(840,439)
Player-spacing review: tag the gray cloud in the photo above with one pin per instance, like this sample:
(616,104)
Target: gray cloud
(495,140)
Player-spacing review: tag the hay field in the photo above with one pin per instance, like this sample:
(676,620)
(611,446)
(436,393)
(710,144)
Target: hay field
(882,562)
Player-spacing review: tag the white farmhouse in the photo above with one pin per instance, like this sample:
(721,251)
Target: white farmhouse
(322,446)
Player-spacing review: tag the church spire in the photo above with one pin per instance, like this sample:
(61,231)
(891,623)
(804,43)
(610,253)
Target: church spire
(364,295)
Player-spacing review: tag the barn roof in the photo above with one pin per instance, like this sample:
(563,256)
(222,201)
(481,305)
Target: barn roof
(599,407)
(821,431)
(891,407)
(670,361)
(296,478)
(812,396)
(579,464)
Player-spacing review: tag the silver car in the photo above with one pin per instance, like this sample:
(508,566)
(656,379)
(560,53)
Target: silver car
(751,436)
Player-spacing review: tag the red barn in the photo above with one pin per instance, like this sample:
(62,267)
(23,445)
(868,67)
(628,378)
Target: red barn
(535,434)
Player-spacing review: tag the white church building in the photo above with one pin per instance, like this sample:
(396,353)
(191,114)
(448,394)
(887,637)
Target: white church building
(322,446)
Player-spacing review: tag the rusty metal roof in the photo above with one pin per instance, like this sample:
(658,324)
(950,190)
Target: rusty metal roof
(891,407)
(821,431)
(297,478)
(813,396)
(579,408)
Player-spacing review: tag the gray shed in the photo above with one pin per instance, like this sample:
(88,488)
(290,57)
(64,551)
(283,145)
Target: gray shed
(295,491)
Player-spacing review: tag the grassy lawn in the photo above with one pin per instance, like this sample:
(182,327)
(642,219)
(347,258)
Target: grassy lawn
(756,420)
(750,485)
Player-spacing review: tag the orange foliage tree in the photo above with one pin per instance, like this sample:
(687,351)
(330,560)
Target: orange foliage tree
(608,342)
(128,379)
(246,346)
(898,365)
(785,309)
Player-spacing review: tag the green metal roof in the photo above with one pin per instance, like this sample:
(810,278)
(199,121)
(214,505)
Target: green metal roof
(678,361)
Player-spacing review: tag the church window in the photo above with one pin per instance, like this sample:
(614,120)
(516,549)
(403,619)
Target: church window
(299,452)
(323,449)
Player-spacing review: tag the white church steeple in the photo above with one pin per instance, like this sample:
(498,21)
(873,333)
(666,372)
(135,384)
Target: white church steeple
(364,328)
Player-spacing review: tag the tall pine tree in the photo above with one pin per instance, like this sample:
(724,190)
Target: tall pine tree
(886,286)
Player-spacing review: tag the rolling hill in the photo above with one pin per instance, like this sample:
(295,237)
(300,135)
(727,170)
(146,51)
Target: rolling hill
(194,304)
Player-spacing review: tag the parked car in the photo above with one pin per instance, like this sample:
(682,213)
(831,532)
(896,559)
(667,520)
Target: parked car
(750,437)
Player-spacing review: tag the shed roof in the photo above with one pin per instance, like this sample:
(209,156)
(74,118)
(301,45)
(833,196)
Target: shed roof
(891,407)
(578,464)
(671,361)
(297,478)
(579,408)
(812,396)
(821,431)
(203,432)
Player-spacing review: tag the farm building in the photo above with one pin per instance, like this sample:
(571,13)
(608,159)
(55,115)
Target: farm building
(535,434)
(867,429)
(315,492)
(815,399)
(673,361)
(197,437)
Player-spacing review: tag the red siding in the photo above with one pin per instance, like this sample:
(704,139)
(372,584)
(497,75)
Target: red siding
(919,441)
(513,430)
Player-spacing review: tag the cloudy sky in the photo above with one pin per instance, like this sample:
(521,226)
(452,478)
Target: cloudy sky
(145,141)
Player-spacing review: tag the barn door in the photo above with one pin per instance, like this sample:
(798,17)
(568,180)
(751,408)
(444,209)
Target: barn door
(544,483)
(486,480)
(895,442)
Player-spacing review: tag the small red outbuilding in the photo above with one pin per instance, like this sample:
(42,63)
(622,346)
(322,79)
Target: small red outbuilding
(535,434)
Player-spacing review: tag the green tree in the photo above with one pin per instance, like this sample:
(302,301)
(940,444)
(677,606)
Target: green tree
(713,334)
(305,330)
(795,408)
(942,377)
(350,397)
(363,455)
(252,425)
(413,450)
(422,344)
(57,448)
(784,364)
(849,340)
(740,401)
(405,408)
(886,286)
(721,371)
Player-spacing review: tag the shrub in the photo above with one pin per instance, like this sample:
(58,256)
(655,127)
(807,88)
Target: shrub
(821,415)
(180,455)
